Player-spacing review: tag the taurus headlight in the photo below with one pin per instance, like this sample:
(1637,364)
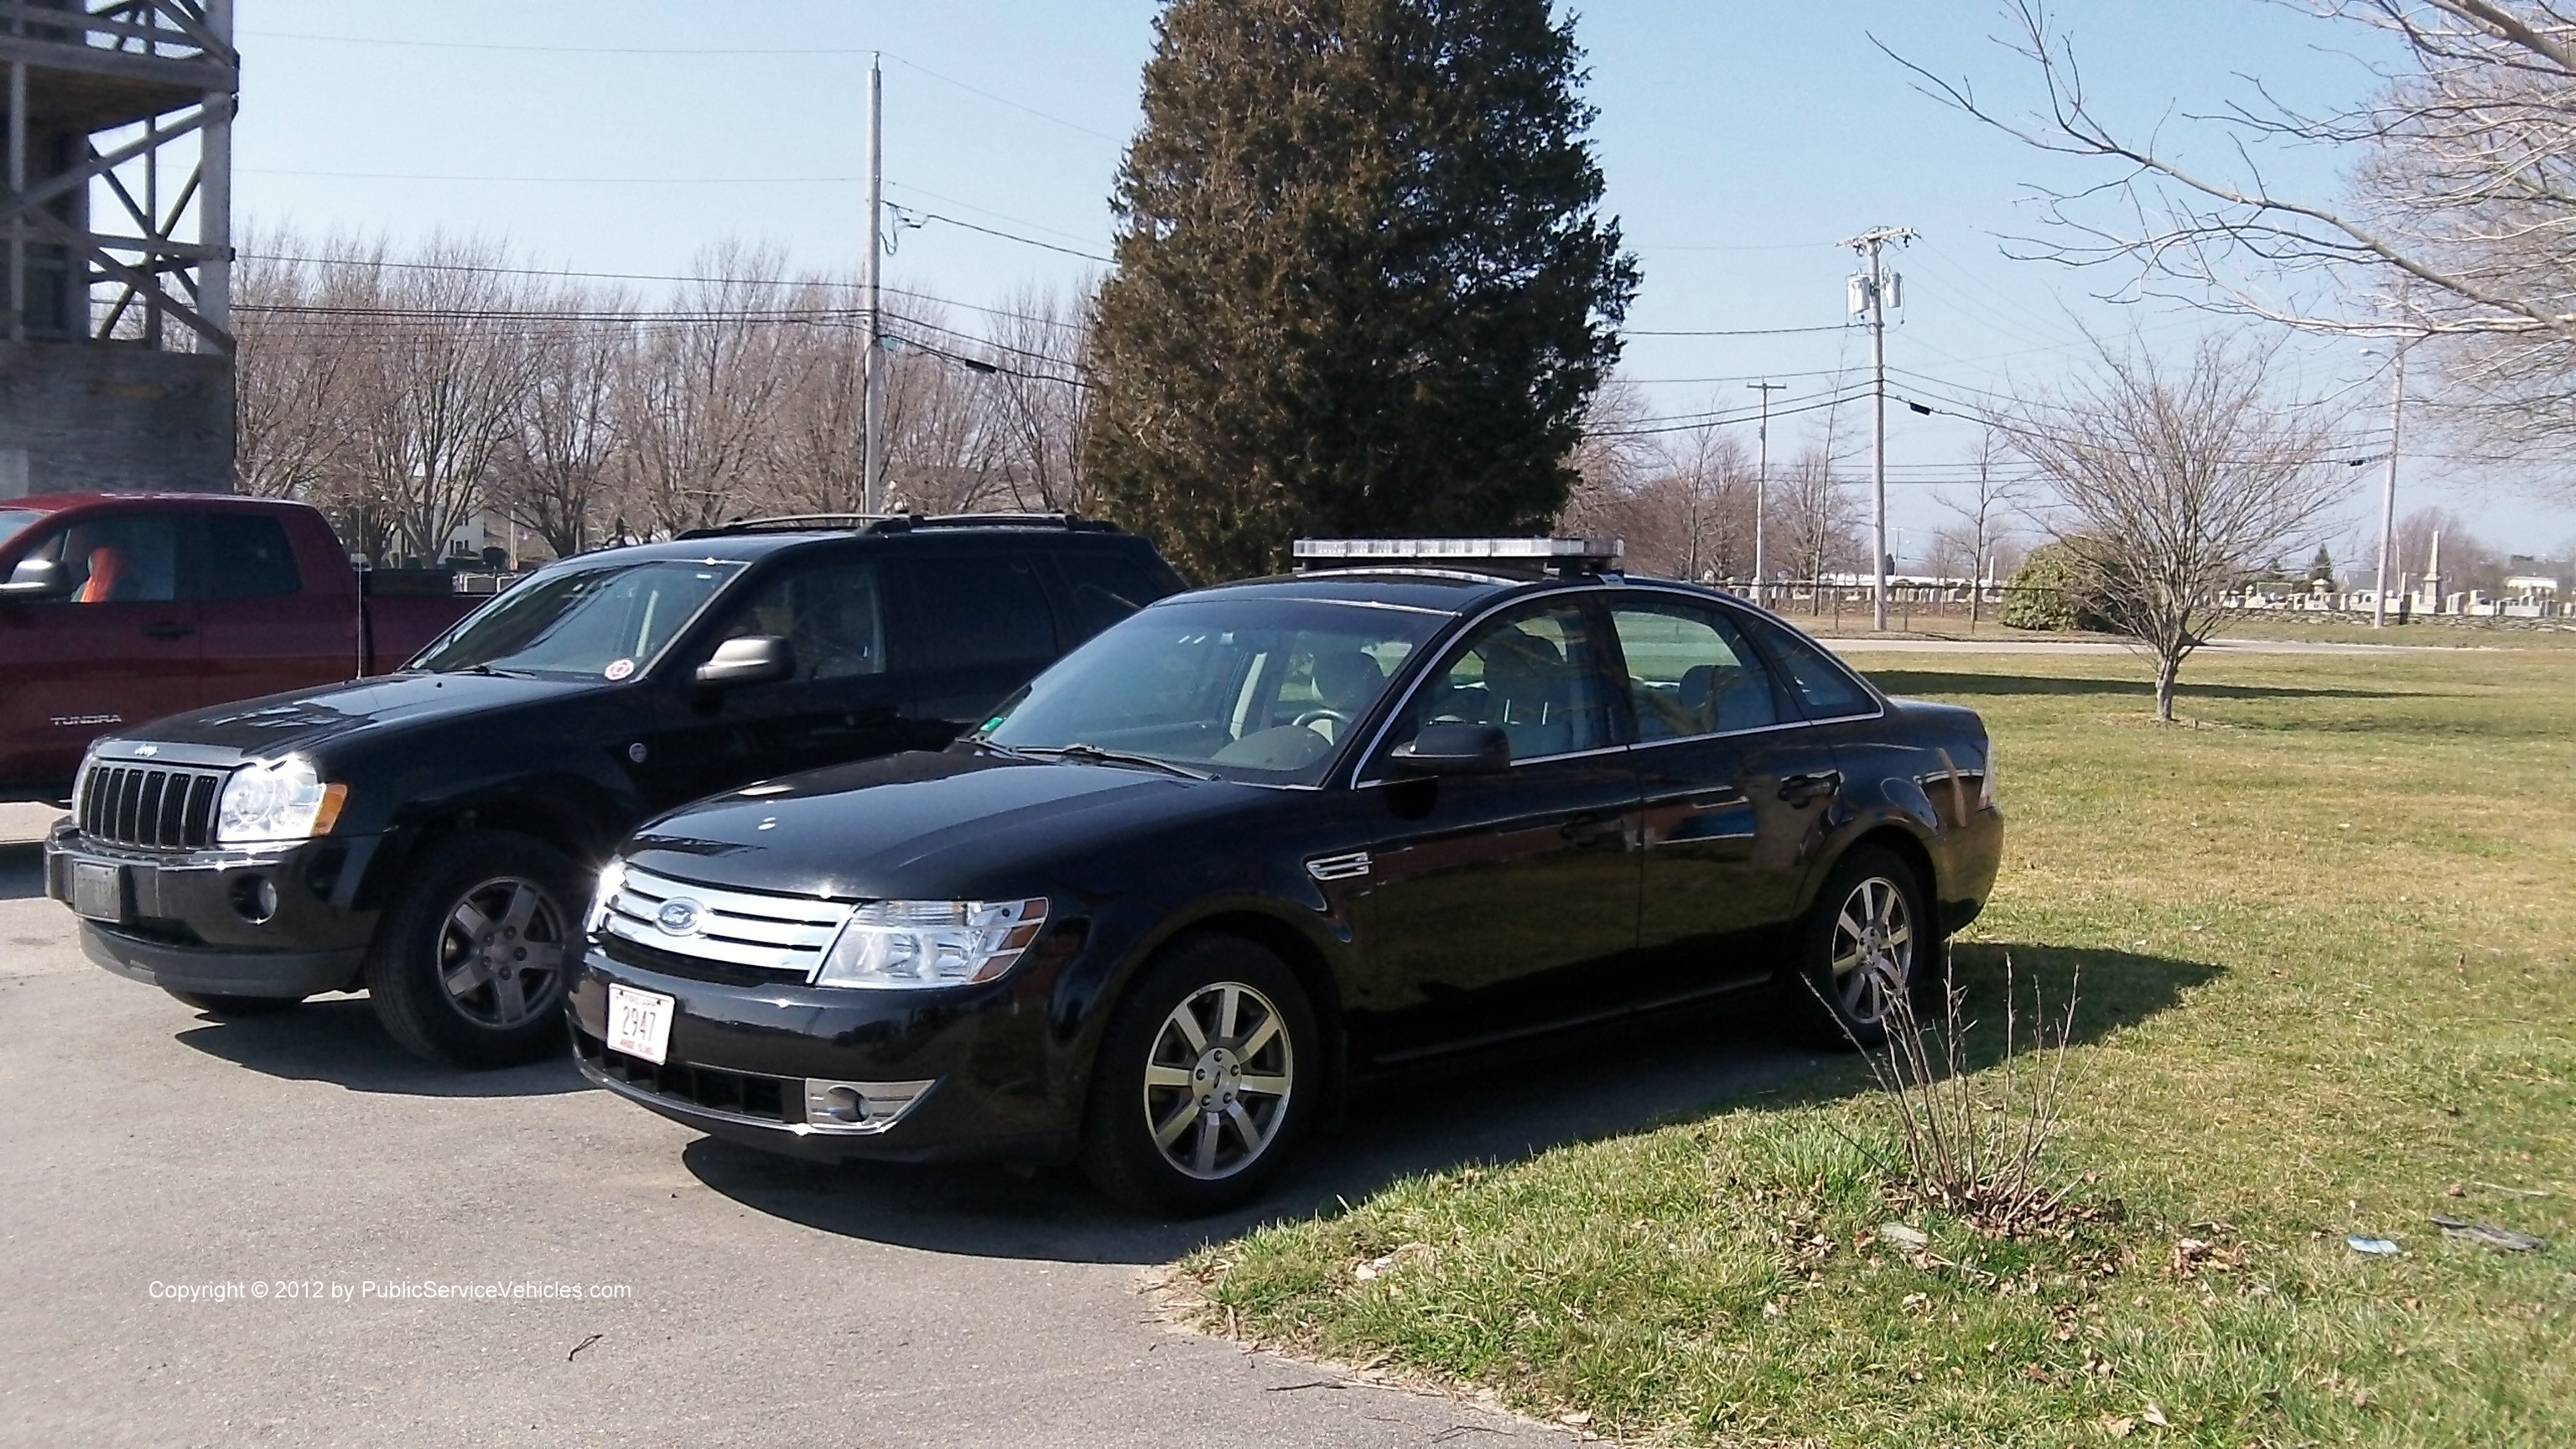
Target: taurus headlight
(277,800)
(930,943)
(612,879)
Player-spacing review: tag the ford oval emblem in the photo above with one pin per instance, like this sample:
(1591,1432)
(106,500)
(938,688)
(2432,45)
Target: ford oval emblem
(680,916)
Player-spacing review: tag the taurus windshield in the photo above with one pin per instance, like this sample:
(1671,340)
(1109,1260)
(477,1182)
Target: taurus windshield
(605,622)
(1266,690)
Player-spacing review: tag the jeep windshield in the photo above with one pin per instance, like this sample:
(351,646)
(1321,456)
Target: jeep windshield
(1267,691)
(608,621)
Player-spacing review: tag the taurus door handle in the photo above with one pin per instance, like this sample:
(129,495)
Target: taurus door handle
(1593,829)
(1800,789)
(169,629)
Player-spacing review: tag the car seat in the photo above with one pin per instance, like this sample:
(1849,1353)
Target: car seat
(1347,682)
(106,570)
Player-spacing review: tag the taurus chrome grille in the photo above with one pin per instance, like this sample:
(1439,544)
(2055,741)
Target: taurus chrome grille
(158,807)
(785,934)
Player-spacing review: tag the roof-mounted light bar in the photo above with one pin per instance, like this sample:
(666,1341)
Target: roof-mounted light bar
(1481,555)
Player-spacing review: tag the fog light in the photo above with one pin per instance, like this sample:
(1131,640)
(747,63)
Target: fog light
(859,1106)
(255,898)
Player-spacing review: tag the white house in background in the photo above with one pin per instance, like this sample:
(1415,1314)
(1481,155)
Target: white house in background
(2538,580)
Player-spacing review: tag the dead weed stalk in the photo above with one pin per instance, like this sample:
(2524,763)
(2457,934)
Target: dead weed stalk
(1976,1144)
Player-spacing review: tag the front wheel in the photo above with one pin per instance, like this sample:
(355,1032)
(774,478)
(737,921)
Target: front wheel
(1206,1079)
(469,965)
(1862,947)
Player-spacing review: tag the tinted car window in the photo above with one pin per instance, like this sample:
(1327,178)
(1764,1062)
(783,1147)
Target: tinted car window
(1537,673)
(15,520)
(981,609)
(131,558)
(607,620)
(1689,673)
(248,557)
(1825,686)
(1105,589)
(1266,690)
(832,617)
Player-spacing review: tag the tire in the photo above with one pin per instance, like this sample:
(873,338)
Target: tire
(227,1007)
(1871,920)
(470,964)
(1148,1072)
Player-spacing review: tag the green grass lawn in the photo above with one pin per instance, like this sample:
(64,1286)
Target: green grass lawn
(2323,946)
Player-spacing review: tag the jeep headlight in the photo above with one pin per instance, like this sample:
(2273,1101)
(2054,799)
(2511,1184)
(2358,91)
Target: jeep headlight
(277,800)
(930,943)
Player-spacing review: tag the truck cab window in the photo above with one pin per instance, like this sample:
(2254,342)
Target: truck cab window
(248,557)
(131,558)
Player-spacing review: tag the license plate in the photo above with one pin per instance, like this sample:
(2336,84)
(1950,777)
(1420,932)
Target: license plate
(98,891)
(639,1023)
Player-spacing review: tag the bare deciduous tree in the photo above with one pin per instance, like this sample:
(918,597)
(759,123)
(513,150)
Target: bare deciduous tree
(1816,518)
(1982,511)
(2177,483)
(1041,345)
(560,463)
(2455,220)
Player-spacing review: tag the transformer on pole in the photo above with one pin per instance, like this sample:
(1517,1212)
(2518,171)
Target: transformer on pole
(1873,292)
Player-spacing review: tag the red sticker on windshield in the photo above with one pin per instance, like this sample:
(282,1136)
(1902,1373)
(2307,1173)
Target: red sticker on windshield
(620,668)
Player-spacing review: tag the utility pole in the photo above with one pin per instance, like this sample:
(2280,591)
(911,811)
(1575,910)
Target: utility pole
(872,377)
(1762,492)
(1870,291)
(2388,493)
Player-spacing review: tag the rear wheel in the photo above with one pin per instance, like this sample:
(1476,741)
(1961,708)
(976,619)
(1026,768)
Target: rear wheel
(1205,1081)
(469,966)
(231,1006)
(1864,945)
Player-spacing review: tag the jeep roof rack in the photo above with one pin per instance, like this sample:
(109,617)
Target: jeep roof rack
(899,523)
(1514,557)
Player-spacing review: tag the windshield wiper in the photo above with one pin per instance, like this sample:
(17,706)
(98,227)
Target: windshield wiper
(489,672)
(1098,756)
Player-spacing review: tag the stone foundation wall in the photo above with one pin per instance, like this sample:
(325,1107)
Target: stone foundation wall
(79,417)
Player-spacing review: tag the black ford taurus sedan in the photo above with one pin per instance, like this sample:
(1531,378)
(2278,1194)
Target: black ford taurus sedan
(1263,842)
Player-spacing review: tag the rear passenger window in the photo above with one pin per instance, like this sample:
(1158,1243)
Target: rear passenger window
(981,609)
(1826,687)
(1689,673)
(1104,588)
(248,557)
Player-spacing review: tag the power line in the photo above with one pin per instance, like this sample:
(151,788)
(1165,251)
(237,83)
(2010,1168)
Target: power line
(1731,332)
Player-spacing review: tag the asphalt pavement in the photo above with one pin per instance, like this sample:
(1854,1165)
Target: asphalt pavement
(163,1170)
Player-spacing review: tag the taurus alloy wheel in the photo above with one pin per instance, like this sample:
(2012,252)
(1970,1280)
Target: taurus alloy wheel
(501,952)
(1873,949)
(1218,1080)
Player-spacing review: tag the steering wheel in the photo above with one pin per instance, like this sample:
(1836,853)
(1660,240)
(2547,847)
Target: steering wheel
(1312,715)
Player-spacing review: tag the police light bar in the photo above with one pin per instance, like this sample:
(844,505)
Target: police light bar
(1572,555)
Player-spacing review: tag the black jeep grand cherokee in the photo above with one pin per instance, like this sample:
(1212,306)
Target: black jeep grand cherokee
(431,835)
(1264,840)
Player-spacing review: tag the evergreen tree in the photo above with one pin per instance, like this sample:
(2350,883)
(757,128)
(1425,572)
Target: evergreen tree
(2321,569)
(1363,284)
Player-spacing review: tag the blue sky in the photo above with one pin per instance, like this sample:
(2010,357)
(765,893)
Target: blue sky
(1741,142)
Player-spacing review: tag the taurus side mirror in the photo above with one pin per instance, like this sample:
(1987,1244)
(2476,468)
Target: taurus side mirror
(1454,749)
(36,578)
(753,659)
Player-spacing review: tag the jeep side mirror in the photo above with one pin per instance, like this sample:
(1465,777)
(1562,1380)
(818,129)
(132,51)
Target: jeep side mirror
(36,578)
(1454,749)
(752,659)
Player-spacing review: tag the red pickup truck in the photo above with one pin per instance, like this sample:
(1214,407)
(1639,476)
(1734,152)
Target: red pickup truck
(120,608)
